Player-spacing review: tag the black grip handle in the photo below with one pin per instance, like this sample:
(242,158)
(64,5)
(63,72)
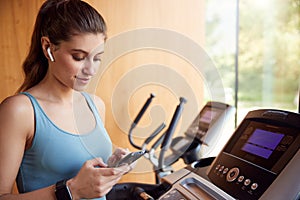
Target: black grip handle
(137,119)
(143,110)
(169,133)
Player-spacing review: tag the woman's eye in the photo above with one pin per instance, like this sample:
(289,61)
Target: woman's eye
(78,58)
(97,59)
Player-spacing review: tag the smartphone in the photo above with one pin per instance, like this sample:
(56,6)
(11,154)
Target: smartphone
(130,158)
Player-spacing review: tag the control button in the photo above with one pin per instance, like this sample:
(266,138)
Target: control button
(232,174)
(247,182)
(241,178)
(254,186)
(221,168)
(225,170)
(218,166)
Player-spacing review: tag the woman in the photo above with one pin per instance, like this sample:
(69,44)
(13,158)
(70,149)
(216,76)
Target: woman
(52,139)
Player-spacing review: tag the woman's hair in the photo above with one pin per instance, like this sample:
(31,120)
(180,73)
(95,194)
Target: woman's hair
(59,20)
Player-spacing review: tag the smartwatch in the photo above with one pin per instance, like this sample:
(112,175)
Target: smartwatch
(62,191)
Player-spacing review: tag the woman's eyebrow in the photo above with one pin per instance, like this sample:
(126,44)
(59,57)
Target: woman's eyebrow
(101,52)
(79,50)
(85,52)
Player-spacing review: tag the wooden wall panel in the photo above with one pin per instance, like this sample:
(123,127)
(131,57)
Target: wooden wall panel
(178,16)
(16,25)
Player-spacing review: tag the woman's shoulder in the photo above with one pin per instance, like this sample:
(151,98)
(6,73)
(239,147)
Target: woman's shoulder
(98,100)
(99,103)
(18,104)
(16,117)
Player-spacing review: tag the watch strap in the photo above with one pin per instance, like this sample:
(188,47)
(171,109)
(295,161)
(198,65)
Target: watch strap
(62,191)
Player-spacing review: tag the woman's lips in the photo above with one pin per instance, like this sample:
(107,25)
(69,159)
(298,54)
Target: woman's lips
(83,80)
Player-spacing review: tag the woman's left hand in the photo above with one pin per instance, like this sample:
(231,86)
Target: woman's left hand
(117,155)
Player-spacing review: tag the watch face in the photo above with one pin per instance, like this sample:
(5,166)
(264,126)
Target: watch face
(62,191)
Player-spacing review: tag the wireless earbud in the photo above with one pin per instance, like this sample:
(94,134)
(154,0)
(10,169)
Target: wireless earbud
(50,54)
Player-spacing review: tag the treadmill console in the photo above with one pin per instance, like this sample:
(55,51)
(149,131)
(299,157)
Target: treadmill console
(260,161)
(209,115)
(204,135)
(258,151)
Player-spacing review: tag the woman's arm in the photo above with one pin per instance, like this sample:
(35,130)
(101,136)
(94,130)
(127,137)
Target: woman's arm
(45,193)
(16,133)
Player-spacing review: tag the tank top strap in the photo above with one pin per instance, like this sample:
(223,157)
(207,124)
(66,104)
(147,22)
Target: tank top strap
(87,97)
(32,98)
(92,106)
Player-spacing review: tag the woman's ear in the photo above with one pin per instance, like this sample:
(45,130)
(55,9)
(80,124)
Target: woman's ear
(46,46)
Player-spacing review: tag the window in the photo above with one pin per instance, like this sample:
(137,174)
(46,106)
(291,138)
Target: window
(256,48)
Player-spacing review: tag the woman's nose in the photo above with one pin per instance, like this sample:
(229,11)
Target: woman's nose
(89,68)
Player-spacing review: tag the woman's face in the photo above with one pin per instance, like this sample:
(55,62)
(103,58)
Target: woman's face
(77,60)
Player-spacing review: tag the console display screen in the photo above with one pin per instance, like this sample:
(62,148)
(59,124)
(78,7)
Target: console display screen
(205,119)
(209,115)
(262,143)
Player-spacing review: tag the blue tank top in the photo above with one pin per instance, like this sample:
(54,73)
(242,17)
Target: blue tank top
(56,154)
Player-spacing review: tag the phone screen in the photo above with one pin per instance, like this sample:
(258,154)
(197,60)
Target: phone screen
(130,158)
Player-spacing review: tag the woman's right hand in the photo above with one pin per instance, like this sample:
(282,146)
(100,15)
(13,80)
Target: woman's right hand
(95,179)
